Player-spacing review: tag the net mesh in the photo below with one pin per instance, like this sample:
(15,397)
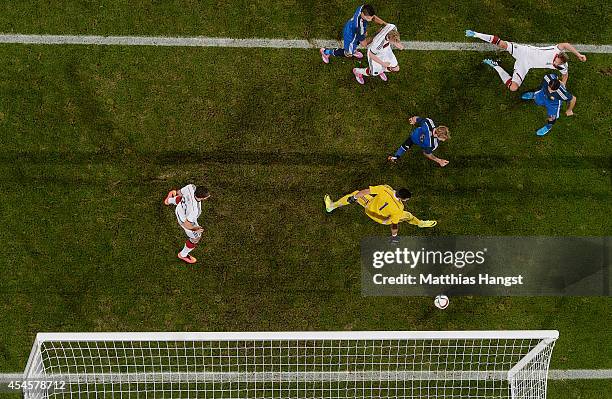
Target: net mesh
(308,368)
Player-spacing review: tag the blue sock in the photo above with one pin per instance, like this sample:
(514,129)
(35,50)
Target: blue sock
(400,151)
(328,51)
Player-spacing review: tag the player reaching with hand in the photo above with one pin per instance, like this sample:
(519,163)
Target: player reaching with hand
(380,54)
(353,34)
(427,136)
(551,94)
(188,201)
(382,204)
(528,57)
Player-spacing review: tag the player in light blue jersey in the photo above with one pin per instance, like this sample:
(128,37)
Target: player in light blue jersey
(353,34)
(427,136)
(551,94)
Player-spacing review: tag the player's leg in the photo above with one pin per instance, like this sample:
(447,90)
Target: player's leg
(521,69)
(512,82)
(401,150)
(191,243)
(554,110)
(348,38)
(488,38)
(373,69)
(410,218)
(331,205)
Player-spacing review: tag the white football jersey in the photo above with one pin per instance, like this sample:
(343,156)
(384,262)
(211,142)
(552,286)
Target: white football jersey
(543,57)
(380,43)
(189,209)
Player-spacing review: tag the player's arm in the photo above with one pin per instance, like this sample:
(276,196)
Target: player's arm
(572,49)
(414,120)
(570,106)
(366,41)
(378,20)
(378,60)
(439,161)
(191,226)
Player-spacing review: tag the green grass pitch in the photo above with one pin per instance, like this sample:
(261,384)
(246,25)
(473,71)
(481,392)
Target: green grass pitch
(93,137)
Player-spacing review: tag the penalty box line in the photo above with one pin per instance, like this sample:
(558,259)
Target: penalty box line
(249,43)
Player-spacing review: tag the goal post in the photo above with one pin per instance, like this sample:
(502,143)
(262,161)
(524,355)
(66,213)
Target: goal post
(275,365)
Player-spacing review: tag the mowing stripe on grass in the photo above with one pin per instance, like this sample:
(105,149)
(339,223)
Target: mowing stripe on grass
(248,43)
(552,375)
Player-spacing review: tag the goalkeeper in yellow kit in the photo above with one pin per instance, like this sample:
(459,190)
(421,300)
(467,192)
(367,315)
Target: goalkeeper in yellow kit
(382,204)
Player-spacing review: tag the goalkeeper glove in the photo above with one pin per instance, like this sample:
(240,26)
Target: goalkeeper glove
(352,199)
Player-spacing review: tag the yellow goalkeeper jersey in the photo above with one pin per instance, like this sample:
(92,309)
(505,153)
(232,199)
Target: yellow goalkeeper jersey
(383,206)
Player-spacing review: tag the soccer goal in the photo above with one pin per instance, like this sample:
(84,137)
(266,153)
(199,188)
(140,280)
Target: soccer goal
(275,365)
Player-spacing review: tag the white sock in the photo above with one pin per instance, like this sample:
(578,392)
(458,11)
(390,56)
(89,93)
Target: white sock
(502,74)
(484,37)
(185,251)
(362,71)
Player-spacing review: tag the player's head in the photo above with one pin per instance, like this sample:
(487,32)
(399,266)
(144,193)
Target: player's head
(403,194)
(202,193)
(367,12)
(560,59)
(554,85)
(442,133)
(393,36)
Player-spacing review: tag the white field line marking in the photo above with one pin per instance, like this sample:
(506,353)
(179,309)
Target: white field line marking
(249,43)
(552,375)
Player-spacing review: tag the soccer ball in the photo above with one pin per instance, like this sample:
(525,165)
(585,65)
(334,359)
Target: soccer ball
(441,301)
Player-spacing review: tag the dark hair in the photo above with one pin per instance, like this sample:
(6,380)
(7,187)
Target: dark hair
(368,10)
(201,192)
(554,84)
(404,193)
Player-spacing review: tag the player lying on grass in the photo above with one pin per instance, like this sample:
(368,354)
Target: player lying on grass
(380,55)
(188,201)
(427,136)
(550,95)
(528,57)
(353,34)
(382,204)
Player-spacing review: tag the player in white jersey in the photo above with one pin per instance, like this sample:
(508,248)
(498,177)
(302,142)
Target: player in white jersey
(528,57)
(188,201)
(380,54)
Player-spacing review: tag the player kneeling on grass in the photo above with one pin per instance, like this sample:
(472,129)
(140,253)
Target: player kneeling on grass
(528,57)
(380,55)
(188,201)
(382,204)
(550,95)
(353,34)
(427,136)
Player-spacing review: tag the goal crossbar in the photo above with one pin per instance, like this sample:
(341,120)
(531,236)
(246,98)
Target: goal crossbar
(297,335)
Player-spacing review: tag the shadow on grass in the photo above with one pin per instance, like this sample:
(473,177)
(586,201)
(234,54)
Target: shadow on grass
(230,157)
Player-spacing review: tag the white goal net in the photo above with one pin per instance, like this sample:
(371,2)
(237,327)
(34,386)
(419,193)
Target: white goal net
(300,365)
